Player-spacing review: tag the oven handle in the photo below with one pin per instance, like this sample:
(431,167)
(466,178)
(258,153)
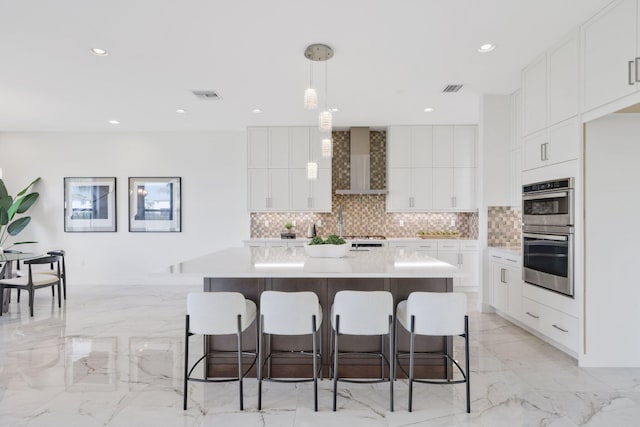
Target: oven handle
(546,195)
(546,237)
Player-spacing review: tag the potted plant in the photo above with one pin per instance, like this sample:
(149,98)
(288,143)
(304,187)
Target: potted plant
(11,209)
(288,226)
(333,247)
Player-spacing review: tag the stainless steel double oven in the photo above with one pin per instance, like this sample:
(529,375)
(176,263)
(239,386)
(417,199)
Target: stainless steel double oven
(548,235)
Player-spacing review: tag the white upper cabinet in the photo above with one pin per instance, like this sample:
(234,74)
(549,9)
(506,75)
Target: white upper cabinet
(557,144)
(431,168)
(534,96)
(562,78)
(610,54)
(276,160)
(550,86)
(442,146)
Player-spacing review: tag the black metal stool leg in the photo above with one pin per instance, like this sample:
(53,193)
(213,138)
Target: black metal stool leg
(186,362)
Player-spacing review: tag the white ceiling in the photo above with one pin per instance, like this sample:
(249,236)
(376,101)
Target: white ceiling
(392,59)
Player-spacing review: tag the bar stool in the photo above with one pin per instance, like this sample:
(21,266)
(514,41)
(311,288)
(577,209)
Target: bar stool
(217,313)
(363,313)
(290,313)
(435,314)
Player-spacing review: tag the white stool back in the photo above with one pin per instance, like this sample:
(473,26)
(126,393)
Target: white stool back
(216,313)
(289,313)
(437,313)
(363,312)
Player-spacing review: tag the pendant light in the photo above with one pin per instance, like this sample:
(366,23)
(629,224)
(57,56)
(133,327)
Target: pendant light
(312,170)
(326,117)
(327,147)
(310,95)
(322,53)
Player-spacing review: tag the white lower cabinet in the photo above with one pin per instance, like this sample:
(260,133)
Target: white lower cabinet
(506,285)
(557,325)
(465,256)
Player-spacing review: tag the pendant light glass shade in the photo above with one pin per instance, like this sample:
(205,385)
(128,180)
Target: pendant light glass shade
(310,99)
(326,121)
(327,147)
(312,170)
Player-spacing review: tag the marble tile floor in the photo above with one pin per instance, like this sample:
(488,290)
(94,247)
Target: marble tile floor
(113,357)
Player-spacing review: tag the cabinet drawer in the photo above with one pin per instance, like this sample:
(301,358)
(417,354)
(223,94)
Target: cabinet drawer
(560,327)
(429,246)
(448,246)
(471,245)
(400,244)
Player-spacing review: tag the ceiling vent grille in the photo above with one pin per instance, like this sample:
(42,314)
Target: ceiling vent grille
(207,95)
(451,88)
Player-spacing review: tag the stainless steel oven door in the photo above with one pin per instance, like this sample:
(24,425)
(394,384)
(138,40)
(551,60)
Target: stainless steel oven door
(548,208)
(548,260)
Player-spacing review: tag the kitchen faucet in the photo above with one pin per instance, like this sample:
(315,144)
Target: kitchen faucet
(340,221)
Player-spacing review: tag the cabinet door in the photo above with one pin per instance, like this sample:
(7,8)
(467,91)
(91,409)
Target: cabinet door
(321,191)
(534,150)
(300,190)
(534,96)
(464,188)
(422,146)
(608,46)
(564,140)
(464,146)
(442,188)
(257,147)
(498,280)
(515,163)
(279,189)
(400,194)
(399,147)
(442,146)
(515,120)
(563,79)
(279,147)
(299,153)
(514,292)
(470,264)
(258,189)
(422,184)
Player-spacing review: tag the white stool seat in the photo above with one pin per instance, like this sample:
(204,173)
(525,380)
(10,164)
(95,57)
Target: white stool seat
(217,313)
(435,314)
(290,313)
(363,313)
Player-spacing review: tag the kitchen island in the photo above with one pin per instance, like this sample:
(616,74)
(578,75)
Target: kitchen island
(253,270)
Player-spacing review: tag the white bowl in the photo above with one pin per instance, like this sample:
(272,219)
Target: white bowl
(326,251)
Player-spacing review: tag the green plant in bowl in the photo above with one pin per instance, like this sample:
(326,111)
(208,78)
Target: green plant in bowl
(335,240)
(316,241)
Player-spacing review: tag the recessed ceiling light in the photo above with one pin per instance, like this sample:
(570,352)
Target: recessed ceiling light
(256,111)
(335,110)
(428,110)
(181,111)
(114,122)
(487,47)
(99,52)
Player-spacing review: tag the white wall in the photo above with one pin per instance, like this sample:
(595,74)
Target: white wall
(213,170)
(612,207)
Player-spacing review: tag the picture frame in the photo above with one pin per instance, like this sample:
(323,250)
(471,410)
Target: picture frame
(90,204)
(154,204)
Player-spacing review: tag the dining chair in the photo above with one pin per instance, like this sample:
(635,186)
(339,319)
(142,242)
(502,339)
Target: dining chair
(33,280)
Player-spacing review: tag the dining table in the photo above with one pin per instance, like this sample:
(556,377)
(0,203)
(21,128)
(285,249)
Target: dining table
(6,271)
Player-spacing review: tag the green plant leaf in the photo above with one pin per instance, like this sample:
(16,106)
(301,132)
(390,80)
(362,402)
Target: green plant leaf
(18,225)
(22,243)
(3,190)
(5,202)
(27,187)
(4,218)
(27,202)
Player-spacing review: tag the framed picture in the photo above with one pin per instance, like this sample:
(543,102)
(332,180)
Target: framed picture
(154,204)
(89,204)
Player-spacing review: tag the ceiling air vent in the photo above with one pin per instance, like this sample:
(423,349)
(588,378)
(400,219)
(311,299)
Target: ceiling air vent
(207,95)
(451,88)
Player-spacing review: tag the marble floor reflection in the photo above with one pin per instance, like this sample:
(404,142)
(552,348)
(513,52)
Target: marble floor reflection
(113,357)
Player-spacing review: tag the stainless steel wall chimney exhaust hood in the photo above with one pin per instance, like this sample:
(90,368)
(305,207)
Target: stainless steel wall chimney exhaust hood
(360,164)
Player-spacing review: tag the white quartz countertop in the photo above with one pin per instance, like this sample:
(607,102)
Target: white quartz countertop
(293,262)
(388,239)
(507,251)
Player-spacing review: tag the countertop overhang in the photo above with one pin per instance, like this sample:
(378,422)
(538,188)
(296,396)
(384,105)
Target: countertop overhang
(293,262)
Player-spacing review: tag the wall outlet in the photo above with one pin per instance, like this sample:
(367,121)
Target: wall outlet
(266,222)
(401,223)
(293,223)
(453,222)
(319,223)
